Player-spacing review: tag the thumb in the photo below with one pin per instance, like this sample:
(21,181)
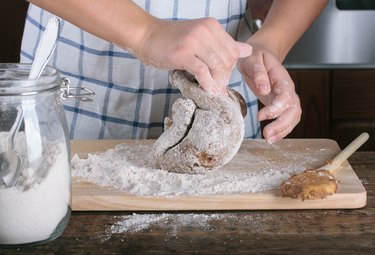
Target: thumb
(245,49)
(260,78)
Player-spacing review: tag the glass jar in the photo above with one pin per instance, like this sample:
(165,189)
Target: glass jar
(35,188)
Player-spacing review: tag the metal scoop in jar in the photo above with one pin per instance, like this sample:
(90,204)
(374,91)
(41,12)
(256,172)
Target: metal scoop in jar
(10,160)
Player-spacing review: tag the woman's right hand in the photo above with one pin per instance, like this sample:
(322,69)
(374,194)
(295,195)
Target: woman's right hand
(201,47)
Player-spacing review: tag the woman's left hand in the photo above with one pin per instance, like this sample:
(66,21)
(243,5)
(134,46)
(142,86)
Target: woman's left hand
(273,86)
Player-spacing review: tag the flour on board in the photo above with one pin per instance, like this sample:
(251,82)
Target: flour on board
(126,167)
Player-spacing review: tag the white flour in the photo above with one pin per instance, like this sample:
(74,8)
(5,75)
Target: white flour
(127,168)
(172,222)
(31,213)
(139,222)
(175,225)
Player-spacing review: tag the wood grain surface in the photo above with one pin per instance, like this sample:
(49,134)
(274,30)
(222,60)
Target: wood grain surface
(292,232)
(351,194)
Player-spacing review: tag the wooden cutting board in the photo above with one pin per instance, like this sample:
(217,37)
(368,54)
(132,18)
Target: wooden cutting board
(351,194)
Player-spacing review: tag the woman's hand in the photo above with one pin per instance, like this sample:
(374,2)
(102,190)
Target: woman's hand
(201,47)
(271,83)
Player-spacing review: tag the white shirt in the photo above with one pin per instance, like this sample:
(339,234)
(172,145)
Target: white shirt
(131,100)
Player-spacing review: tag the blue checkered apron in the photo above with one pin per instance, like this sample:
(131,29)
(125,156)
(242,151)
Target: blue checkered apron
(131,99)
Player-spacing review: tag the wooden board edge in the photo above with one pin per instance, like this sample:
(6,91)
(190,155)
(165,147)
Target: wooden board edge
(120,203)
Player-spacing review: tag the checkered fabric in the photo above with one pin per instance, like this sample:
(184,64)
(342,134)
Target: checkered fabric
(131,99)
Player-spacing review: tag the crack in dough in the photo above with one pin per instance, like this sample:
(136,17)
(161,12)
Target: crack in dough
(204,132)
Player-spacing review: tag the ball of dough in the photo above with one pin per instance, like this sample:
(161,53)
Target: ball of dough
(204,132)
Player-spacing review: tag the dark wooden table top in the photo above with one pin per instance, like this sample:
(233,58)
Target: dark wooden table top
(234,232)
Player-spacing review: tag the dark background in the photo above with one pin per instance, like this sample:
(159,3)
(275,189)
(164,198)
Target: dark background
(12,20)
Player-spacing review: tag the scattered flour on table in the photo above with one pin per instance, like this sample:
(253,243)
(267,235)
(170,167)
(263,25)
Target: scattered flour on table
(139,222)
(173,225)
(171,222)
(127,167)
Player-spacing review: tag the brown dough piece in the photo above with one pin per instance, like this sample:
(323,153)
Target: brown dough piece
(204,132)
(310,184)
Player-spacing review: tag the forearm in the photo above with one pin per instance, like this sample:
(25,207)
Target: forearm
(119,21)
(285,23)
(199,46)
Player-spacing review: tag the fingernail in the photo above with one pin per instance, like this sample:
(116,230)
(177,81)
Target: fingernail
(245,50)
(263,87)
(224,92)
(271,140)
(262,83)
(271,133)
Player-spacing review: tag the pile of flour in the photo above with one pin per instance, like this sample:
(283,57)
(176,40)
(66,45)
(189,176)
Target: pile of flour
(31,210)
(127,167)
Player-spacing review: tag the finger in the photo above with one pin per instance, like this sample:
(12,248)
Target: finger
(281,97)
(277,136)
(257,75)
(218,66)
(221,77)
(202,73)
(221,73)
(283,125)
(220,59)
(277,106)
(221,56)
(245,49)
(280,80)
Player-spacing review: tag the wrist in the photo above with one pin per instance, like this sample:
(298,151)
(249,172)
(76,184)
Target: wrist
(269,42)
(136,34)
(146,38)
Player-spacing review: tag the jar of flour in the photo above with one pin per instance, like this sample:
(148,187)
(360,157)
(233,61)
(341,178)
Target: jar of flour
(35,194)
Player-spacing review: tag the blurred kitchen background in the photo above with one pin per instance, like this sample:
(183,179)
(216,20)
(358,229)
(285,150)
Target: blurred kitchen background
(333,66)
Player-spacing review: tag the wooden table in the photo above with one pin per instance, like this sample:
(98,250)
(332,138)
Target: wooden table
(239,232)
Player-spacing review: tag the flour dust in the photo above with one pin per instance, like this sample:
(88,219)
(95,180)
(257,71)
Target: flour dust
(127,167)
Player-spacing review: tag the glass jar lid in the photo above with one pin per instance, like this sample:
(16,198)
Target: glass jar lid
(14,80)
